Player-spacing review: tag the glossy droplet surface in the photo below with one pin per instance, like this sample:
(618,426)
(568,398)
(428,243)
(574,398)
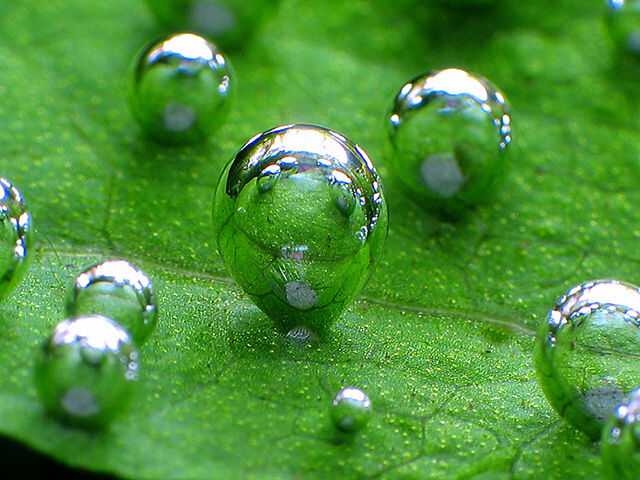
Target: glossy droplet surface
(586,352)
(351,409)
(85,371)
(181,89)
(229,22)
(623,18)
(449,133)
(300,219)
(15,238)
(117,290)
(621,440)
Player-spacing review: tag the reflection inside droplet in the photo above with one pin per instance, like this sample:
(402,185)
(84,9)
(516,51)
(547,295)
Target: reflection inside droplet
(442,174)
(80,402)
(190,46)
(297,213)
(300,295)
(178,118)
(301,335)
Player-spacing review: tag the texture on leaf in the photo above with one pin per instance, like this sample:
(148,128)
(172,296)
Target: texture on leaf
(441,338)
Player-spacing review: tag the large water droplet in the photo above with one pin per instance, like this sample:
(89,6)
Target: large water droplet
(300,219)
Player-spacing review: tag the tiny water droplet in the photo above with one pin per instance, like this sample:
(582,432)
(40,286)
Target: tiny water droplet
(351,409)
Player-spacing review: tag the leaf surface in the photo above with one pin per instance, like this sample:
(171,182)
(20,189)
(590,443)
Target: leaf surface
(441,338)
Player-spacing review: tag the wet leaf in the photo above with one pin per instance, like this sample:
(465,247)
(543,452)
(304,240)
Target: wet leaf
(441,338)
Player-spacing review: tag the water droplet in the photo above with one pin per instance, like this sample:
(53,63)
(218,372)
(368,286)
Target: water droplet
(117,290)
(624,24)
(15,238)
(450,130)
(304,250)
(181,89)
(621,440)
(587,352)
(67,380)
(351,409)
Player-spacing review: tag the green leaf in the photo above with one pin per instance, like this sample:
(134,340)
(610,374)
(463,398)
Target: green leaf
(441,338)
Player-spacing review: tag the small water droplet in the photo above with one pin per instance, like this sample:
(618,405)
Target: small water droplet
(584,355)
(117,290)
(67,380)
(180,90)
(15,237)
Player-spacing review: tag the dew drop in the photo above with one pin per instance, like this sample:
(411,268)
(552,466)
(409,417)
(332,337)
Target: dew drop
(290,249)
(117,290)
(67,380)
(586,351)
(16,234)
(180,89)
(351,409)
(620,443)
(449,132)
